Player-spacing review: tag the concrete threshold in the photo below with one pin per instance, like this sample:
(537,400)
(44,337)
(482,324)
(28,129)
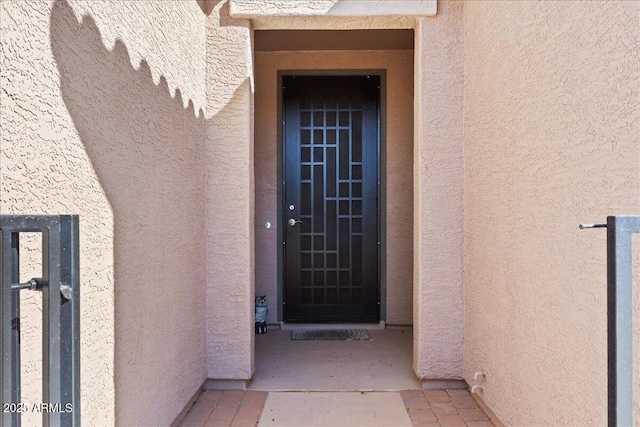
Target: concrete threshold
(331,409)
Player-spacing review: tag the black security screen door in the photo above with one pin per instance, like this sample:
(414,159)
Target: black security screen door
(330,212)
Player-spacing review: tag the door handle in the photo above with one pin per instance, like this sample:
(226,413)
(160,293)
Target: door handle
(293,222)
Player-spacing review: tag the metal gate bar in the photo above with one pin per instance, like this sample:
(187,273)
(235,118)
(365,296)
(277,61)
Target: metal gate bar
(10,318)
(60,318)
(620,230)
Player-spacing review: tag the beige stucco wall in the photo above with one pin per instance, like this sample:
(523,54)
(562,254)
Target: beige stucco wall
(332,14)
(399,143)
(89,129)
(551,129)
(438,191)
(341,8)
(229,211)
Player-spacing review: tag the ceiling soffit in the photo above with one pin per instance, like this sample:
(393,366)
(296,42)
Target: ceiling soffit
(332,14)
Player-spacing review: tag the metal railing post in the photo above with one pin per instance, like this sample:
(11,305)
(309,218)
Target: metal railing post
(620,230)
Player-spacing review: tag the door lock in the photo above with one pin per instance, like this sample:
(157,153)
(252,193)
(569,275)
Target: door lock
(293,222)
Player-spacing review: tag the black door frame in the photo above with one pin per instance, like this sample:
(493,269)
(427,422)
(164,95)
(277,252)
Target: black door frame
(382,177)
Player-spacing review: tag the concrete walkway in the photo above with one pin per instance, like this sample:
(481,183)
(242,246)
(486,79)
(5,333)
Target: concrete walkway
(335,383)
(383,363)
(429,408)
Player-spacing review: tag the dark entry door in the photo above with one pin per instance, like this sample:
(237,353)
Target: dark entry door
(330,212)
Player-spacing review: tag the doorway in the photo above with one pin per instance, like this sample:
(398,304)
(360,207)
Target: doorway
(331,198)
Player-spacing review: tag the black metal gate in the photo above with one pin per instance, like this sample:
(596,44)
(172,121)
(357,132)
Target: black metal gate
(60,318)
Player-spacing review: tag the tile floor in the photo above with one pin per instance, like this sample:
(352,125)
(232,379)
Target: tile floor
(237,408)
(417,408)
(446,408)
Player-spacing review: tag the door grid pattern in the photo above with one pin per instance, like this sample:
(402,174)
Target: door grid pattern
(331,198)
(330,188)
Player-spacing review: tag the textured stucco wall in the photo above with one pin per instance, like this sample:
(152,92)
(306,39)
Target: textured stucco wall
(347,8)
(324,22)
(438,192)
(89,129)
(399,140)
(551,126)
(229,169)
(332,14)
